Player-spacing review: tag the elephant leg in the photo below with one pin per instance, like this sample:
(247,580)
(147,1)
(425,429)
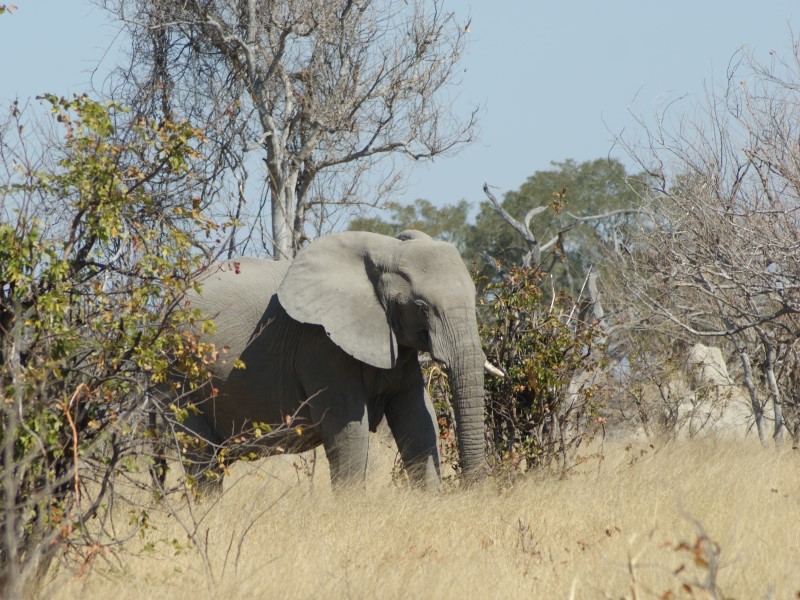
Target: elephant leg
(412,420)
(346,446)
(195,439)
(158,468)
(332,381)
(199,454)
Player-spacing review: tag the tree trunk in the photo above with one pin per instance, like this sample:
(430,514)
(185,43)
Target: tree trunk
(769,370)
(751,389)
(281,232)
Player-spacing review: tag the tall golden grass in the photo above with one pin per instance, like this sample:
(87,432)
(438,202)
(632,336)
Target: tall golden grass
(676,519)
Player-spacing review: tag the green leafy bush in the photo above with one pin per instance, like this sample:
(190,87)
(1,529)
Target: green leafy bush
(551,358)
(94,260)
(548,401)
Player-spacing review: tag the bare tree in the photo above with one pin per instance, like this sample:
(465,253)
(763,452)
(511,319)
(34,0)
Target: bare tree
(716,252)
(321,91)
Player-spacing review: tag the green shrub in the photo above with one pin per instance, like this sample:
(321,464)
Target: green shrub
(548,401)
(551,358)
(94,260)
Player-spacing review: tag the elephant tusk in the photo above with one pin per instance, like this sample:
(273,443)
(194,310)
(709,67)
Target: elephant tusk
(492,370)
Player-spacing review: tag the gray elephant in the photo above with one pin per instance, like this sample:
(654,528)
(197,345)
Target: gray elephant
(330,342)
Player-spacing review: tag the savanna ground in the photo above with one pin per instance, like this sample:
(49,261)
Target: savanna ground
(667,520)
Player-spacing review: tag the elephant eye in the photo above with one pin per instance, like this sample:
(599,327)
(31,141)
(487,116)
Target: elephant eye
(422,306)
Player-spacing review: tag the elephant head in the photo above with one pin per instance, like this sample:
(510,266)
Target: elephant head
(374,294)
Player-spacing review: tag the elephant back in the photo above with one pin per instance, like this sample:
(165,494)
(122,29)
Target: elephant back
(235,295)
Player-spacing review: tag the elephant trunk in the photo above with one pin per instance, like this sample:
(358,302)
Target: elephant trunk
(466,386)
(465,363)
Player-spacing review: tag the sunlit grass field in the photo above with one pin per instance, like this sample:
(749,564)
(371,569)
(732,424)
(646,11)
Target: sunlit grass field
(681,518)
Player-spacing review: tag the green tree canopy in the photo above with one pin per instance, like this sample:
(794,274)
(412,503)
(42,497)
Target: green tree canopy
(572,191)
(448,222)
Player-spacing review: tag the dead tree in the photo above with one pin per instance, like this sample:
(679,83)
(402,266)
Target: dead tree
(715,257)
(320,91)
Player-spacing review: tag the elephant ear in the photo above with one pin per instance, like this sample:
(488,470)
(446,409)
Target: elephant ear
(331,283)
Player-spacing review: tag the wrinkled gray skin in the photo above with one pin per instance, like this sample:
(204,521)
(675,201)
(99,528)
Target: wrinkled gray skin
(332,340)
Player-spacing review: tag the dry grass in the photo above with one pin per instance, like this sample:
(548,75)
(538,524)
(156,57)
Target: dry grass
(629,526)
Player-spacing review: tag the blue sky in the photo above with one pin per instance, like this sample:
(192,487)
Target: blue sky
(555,80)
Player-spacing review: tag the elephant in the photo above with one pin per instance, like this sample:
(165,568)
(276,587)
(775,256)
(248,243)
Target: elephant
(329,342)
